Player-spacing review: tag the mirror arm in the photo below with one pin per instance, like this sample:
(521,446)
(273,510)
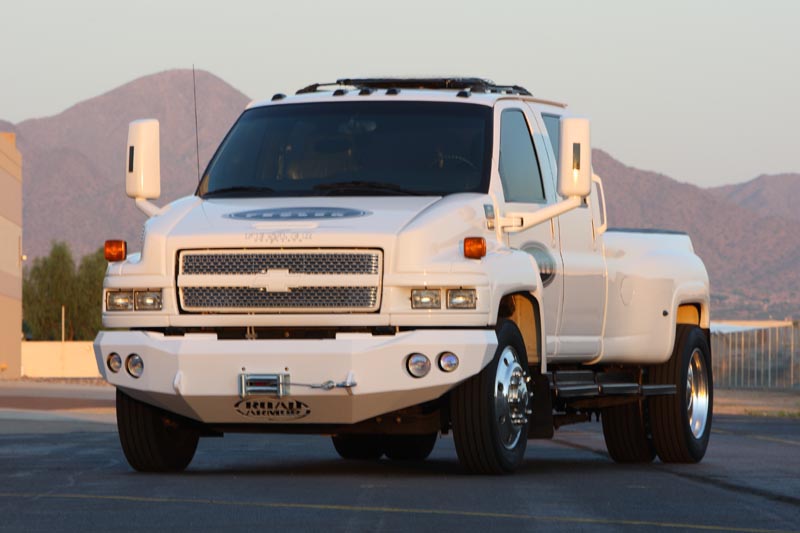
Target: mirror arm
(514,222)
(147,207)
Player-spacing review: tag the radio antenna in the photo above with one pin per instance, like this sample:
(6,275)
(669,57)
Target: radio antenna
(196,132)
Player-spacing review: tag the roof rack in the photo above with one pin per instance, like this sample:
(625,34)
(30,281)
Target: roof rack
(476,85)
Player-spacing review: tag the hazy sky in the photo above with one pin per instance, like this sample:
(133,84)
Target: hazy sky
(707,92)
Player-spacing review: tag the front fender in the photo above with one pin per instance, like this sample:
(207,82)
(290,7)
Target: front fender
(511,271)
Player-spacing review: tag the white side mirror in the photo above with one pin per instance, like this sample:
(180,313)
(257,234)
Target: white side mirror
(143,165)
(575,159)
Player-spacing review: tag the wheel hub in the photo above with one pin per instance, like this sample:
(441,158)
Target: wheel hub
(697,401)
(511,398)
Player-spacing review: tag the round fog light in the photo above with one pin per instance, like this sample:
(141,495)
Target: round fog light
(448,361)
(135,365)
(114,362)
(418,365)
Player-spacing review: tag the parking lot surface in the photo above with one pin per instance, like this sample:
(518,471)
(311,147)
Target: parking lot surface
(63,470)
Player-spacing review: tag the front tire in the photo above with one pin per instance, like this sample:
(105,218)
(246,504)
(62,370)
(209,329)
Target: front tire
(681,424)
(154,440)
(489,411)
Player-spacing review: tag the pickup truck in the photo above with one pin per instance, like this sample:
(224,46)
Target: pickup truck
(388,260)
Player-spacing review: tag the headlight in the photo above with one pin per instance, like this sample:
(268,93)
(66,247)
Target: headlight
(148,300)
(119,301)
(426,299)
(461,299)
(134,300)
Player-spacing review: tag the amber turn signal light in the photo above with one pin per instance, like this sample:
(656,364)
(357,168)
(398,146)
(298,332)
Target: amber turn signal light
(116,250)
(474,247)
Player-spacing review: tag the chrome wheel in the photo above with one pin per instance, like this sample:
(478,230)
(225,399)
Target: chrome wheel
(680,424)
(488,412)
(510,398)
(697,394)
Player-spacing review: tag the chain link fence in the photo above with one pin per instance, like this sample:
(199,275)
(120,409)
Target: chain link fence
(756,355)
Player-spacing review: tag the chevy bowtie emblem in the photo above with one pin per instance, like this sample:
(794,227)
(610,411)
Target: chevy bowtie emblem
(274,280)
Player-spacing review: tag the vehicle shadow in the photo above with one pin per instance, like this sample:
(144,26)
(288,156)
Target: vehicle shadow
(434,467)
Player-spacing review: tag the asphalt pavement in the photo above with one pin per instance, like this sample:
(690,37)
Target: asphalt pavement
(61,469)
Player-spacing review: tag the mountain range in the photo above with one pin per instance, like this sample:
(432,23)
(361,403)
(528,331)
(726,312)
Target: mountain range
(73,189)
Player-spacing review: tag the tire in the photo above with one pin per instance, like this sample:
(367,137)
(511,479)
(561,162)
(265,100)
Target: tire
(681,424)
(153,440)
(409,447)
(626,434)
(488,439)
(358,447)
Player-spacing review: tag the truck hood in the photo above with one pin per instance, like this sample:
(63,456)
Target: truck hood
(415,232)
(296,221)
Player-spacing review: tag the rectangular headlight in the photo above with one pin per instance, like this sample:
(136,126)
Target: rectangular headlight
(426,299)
(119,301)
(148,300)
(461,299)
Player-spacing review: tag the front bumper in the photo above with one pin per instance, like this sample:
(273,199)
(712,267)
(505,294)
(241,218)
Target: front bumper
(198,375)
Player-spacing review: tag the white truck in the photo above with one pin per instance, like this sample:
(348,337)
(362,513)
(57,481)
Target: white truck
(388,260)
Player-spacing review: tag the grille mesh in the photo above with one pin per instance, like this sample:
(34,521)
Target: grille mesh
(295,263)
(299,298)
(311,289)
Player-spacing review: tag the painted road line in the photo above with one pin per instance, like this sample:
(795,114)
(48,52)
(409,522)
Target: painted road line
(387,510)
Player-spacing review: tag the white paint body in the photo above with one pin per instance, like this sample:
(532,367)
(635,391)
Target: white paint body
(613,296)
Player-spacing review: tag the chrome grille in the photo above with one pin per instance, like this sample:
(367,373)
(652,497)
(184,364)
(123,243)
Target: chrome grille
(295,263)
(280,281)
(247,298)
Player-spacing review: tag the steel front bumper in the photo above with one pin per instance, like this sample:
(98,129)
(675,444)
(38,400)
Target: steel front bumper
(199,376)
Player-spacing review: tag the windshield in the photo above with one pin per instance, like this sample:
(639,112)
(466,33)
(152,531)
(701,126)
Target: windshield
(354,148)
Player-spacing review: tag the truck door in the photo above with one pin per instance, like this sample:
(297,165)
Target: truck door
(528,186)
(583,312)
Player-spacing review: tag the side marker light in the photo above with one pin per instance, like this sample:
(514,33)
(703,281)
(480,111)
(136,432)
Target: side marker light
(115,250)
(474,247)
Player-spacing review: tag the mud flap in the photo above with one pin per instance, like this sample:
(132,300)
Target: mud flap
(541,421)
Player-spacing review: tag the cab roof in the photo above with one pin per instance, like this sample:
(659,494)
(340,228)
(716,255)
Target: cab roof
(479,85)
(465,89)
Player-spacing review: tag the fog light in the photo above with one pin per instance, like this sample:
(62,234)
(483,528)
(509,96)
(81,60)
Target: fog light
(461,299)
(426,299)
(148,300)
(119,301)
(448,361)
(135,365)
(114,362)
(418,365)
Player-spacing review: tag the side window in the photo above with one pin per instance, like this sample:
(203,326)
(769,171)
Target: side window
(519,167)
(553,125)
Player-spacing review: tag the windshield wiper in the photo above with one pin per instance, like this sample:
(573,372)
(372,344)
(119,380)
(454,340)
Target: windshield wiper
(243,190)
(345,188)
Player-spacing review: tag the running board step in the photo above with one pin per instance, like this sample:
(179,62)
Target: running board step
(588,384)
(656,390)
